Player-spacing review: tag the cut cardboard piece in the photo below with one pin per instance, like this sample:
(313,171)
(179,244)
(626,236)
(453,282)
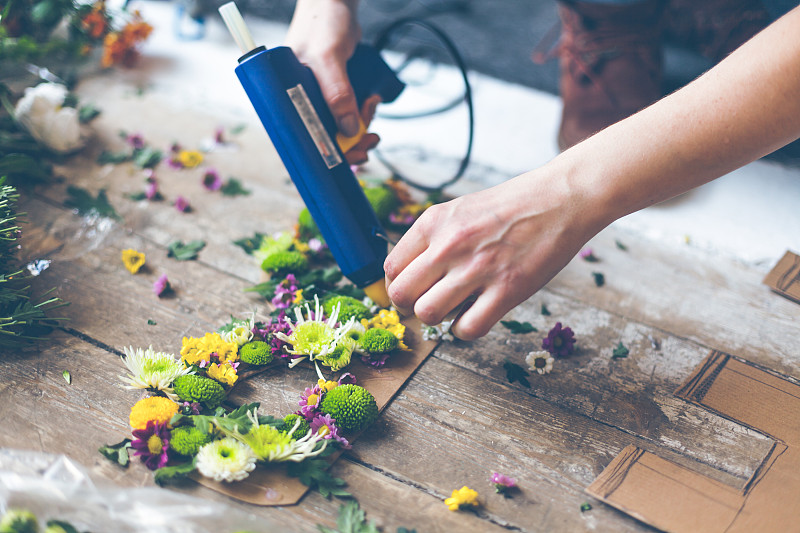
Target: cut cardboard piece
(674,498)
(270,484)
(784,278)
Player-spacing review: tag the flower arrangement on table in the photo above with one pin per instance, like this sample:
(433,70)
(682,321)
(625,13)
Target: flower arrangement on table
(182,426)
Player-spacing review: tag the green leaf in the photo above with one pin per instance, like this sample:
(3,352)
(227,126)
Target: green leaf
(24,166)
(518,327)
(151,322)
(137,196)
(67,377)
(87,113)
(113,158)
(545,311)
(405,530)
(599,278)
(147,157)
(620,351)
(313,473)
(351,519)
(621,246)
(185,252)
(86,204)
(172,473)
(239,128)
(250,244)
(117,453)
(66,526)
(586,506)
(233,187)
(514,372)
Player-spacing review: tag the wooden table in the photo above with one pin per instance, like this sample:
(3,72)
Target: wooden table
(458,419)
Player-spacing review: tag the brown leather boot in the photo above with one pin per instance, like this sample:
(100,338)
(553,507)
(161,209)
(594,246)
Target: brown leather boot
(611,62)
(715,28)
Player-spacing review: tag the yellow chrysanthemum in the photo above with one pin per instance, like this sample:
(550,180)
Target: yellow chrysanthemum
(196,349)
(326,386)
(300,246)
(390,321)
(298,297)
(462,498)
(132,260)
(155,408)
(223,373)
(190,158)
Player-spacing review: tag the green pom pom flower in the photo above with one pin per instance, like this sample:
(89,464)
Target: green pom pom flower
(285,262)
(193,388)
(353,407)
(256,353)
(379,341)
(348,307)
(288,423)
(186,440)
(382,200)
(340,356)
(19,521)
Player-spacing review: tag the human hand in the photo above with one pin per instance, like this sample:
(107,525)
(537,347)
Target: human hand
(357,154)
(501,245)
(323,35)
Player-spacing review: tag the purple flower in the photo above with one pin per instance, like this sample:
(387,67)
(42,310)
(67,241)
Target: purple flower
(375,360)
(182,204)
(151,191)
(559,342)
(326,427)
(503,483)
(347,379)
(587,254)
(266,332)
(284,293)
(211,180)
(136,141)
(190,408)
(162,287)
(401,220)
(219,135)
(151,444)
(309,402)
(316,245)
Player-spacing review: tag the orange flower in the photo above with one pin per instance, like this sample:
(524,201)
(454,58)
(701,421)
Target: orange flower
(95,22)
(136,31)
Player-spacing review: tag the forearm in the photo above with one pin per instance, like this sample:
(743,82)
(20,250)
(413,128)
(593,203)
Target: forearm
(744,108)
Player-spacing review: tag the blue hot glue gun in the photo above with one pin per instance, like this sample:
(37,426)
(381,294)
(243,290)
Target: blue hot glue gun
(289,102)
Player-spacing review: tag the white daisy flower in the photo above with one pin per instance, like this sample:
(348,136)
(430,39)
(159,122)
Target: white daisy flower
(541,362)
(152,370)
(225,460)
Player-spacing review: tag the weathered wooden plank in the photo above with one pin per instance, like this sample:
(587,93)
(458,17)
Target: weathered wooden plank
(711,300)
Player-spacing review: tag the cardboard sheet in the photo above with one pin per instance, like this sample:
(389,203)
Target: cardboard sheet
(270,485)
(784,278)
(674,498)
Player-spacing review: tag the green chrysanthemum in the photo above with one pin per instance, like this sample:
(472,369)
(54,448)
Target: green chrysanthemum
(340,356)
(256,353)
(285,262)
(194,388)
(352,406)
(186,440)
(266,441)
(348,307)
(19,521)
(382,200)
(379,341)
(289,422)
(152,370)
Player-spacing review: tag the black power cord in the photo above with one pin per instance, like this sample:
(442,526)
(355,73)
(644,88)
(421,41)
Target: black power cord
(381,42)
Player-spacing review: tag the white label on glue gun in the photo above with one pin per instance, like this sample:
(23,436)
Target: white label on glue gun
(314,126)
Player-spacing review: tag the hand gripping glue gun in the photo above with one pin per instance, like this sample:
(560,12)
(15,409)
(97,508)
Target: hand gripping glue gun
(289,102)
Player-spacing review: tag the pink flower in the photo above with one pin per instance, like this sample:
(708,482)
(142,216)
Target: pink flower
(211,180)
(587,254)
(502,483)
(219,135)
(326,427)
(151,444)
(136,141)
(151,191)
(182,204)
(162,287)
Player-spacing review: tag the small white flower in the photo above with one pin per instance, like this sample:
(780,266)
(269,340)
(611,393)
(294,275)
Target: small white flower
(371,305)
(226,460)
(435,333)
(541,362)
(152,370)
(41,112)
(241,335)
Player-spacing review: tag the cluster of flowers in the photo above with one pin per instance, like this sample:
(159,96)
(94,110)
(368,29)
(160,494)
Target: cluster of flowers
(182,424)
(559,342)
(17,520)
(467,498)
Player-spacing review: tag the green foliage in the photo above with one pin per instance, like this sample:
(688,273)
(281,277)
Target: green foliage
(167,474)
(60,526)
(185,252)
(382,200)
(194,388)
(233,187)
(23,319)
(313,473)
(19,521)
(514,372)
(250,244)
(351,519)
(186,440)
(348,307)
(545,311)
(87,205)
(256,353)
(352,406)
(620,351)
(599,278)
(285,262)
(378,341)
(117,453)
(236,420)
(307,228)
(518,327)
